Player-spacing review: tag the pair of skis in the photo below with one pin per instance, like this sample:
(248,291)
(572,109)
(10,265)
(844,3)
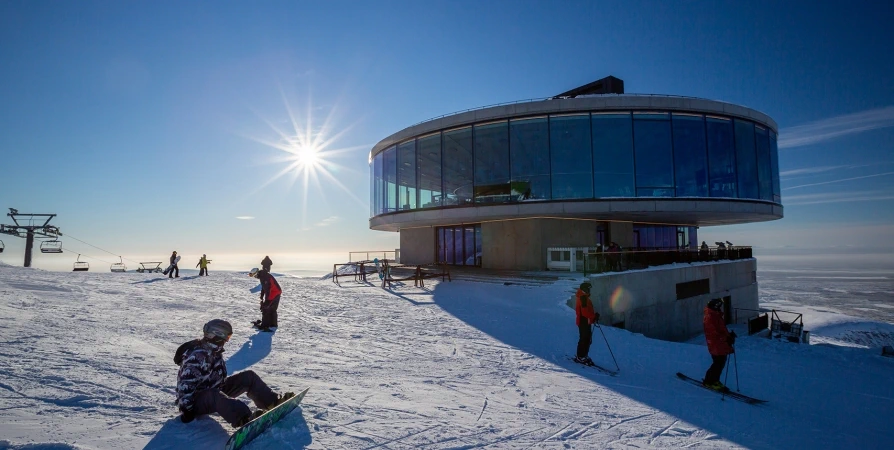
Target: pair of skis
(725,391)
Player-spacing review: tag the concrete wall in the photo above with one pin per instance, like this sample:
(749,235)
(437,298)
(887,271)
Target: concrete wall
(522,244)
(417,245)
(646,300)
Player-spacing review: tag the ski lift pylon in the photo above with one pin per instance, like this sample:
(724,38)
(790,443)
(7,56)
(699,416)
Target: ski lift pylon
(119,266)
(51,246)
(80,266)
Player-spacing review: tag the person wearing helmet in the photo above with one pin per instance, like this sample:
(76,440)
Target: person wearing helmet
(270,293)
(203,265)
(720,343)
(584,316)
(203,386)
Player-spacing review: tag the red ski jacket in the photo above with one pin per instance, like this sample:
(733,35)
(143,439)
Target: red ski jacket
(583,306)
(270,289)
(716,333)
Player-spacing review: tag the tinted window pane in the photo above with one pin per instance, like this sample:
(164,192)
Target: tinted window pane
(571,160)
(469,238)
(406,175)
(457,166)
(613,155)
(492,163)
(478,245)
(774,167)
(764,172)
(654,156)
(721,158)
(378,184)
(746,160)
(458,245)
(529,157)
(690,156)
(428,170)
(390,175)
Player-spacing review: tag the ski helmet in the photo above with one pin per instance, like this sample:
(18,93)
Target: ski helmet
(715,304)
(585,286)
(253,272)
(218,331)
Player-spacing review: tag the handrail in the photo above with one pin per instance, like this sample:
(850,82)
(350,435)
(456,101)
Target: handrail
(531,100)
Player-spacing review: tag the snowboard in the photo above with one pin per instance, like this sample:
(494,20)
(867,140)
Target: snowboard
(171,267)
(253,429)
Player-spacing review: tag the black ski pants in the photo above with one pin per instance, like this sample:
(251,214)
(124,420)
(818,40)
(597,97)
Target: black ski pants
(717,365)
(586,338)
(223,401)
(269,317)
(203,271)
(174,269)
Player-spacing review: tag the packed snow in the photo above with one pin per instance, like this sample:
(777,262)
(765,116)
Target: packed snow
(86,362)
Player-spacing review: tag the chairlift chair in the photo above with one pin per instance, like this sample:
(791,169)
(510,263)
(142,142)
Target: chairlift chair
(52,246)
(1,247)
(119,266)
(80,266)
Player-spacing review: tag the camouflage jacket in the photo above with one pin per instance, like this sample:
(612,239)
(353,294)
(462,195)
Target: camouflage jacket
(203,368)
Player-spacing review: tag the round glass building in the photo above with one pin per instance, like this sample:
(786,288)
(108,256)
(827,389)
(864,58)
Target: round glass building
(497,186)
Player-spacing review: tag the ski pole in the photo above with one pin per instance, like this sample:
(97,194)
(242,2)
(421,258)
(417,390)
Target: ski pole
(609,346)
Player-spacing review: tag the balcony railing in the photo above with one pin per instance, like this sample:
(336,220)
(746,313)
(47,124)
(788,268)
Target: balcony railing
(602,262)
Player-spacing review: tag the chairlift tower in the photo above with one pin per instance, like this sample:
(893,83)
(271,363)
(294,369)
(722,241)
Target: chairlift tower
(29,227)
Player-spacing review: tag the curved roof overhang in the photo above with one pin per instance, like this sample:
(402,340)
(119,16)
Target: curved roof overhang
(607,102)
(670,211)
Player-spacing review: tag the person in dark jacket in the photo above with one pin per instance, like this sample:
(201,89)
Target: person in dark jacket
(174,268)
(203,386)
(584,317)
(720,343)
(266,263)
(270,294)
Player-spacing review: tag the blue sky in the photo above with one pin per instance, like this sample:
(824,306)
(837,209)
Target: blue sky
(146,126)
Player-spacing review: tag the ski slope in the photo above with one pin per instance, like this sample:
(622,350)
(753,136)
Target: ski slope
(86,362)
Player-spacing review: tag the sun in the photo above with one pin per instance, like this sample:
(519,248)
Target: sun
(307,155)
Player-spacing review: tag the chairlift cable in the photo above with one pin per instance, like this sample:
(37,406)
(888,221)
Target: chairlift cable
(88,256)
(119,256)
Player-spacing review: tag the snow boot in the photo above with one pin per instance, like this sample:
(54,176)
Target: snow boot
(248,418)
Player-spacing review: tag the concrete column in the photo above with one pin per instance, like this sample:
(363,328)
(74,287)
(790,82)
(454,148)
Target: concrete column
(621,233)
(417,245)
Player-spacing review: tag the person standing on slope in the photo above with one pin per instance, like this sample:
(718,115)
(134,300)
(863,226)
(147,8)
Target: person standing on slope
(174,260)
(720,343)
(270,294)
(266,263)
(203,265)
(203,386)
(584,316)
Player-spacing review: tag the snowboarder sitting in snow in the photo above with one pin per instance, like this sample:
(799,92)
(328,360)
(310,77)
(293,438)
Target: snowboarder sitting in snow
(720,343)
(203,386)
(203,265)
(585,317)
(270,293)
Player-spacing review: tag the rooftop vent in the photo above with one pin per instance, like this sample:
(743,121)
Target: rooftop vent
(607,85)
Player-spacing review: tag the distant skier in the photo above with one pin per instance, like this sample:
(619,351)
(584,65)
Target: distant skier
(203,386)
(266,263)
(203,265)
(720,343)
(270,294)
(584,317)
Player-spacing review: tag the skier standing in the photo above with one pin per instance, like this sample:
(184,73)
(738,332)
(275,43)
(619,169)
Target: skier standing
(203,265)
(203,386)
(720,343)
(584,316)
(266,263)
(270,294)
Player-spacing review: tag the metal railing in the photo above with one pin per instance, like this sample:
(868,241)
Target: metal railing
(601,262)
(369,255)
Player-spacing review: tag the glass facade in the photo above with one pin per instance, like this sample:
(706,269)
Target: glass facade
(459,245)
(576,156)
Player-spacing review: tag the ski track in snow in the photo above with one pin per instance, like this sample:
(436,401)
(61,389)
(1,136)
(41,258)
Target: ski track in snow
(86,362)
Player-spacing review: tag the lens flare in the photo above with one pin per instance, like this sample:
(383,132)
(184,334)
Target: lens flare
(620,299)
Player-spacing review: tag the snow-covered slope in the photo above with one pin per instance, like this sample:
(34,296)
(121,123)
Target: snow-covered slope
(86,362)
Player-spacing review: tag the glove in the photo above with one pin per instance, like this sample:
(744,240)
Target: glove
(733,334)
(596,319)
(731,339)
(187,416)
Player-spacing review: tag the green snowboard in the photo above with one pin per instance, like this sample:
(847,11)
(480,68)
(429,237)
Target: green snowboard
(253,429)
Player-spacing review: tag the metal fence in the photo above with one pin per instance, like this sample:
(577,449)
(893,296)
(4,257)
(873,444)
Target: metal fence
(601,262)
